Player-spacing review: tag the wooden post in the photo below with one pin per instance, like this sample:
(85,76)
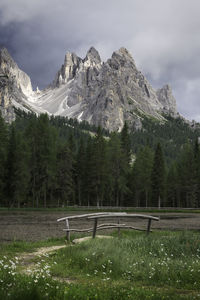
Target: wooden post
(119,227)
(67,232)
(95,228)
(149,226)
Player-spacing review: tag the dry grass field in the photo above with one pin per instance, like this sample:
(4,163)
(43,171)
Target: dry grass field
(40,225)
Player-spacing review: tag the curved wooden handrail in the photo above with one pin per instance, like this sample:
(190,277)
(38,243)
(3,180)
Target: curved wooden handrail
(102,215)
(125,216)
(88,215)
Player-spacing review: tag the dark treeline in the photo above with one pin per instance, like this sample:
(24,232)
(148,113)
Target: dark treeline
(54,161)
(172,135)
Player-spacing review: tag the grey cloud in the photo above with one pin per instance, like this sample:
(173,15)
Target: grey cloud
(162,36)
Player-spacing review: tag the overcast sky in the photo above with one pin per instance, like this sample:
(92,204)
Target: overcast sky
(162,35)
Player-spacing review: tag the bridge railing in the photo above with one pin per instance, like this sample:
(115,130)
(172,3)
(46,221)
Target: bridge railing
(106,215)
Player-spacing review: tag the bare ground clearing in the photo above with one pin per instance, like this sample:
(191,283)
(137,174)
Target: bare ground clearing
(41,225)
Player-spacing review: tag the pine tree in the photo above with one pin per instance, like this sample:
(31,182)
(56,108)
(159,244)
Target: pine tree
(64,175)
(118,170)
(172,188)
(72,143)
(115,169)
(89,174)
(47,156)
(141,176)
(197,171)
(11,168)
(158,178)
(45,139)
(17,175)
(80,171)
(32,143)
(22,171)
(126,144)
(126,163)
(99,167)
(95,169)
(187,177)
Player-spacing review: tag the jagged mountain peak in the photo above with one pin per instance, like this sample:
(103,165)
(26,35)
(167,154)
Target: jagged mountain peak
(167,87)
(6,60)
(121,58)
(93,56)
(67,70)
(106,94)
(73,64)
(123,52)
(70,56)
(167,99)
(19,78)
(4,52)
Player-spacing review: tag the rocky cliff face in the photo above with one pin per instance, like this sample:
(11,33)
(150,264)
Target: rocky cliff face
(103,93)
(167,99)
(5,101)
(15,87)
(10,68)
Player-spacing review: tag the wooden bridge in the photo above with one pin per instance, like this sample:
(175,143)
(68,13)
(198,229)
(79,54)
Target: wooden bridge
(106,215)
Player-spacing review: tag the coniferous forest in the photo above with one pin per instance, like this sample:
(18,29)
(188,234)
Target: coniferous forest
(57,162)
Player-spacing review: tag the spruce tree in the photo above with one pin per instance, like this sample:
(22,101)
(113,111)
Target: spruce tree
(89,174)
(11,168)
(141,176)
(46,140)
(22,171)
(158,178)
(187,177)
(125,162)
(32,142)
(197,170)
(17,175)
(99,167)
(64,176)
(116,164)
(126,143)
(80,172)
(172,187)
(95,169)
(118,170)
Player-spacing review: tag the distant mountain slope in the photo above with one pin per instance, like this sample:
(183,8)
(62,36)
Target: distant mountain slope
(102,93)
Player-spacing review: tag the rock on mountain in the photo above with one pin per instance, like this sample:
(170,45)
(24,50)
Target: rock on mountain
(167,99)
(102,93)
(15,86)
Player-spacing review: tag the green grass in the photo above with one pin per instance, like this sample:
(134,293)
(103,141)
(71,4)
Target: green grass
(17,247)
(163,265)
(171,259)
(43,289)
(104,209)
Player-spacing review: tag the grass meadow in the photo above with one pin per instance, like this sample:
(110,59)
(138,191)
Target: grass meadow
(162,265)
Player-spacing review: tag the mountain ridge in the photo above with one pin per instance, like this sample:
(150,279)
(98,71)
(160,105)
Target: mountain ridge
(102,93)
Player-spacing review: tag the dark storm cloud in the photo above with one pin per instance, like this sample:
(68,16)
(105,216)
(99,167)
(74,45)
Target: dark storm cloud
(163,37)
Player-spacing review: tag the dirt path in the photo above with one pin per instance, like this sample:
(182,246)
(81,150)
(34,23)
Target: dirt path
(26,259)
(28,267)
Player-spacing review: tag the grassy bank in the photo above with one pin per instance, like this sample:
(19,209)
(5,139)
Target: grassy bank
(163,265)
(104,209)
